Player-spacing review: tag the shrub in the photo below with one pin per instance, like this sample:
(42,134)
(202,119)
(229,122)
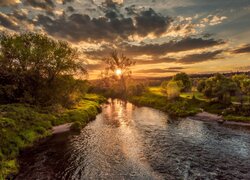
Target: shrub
(76,126)
(185,80)
(173,90)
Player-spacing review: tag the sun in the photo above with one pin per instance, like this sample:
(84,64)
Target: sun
(118,72)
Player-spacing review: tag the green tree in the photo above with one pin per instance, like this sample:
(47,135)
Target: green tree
(164,86)
(201,85)
(241,81)
(220,87)
(246,88)
(31,64)
(173,89)
(186,82)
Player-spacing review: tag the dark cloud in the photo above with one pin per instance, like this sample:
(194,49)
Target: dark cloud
(80,27)
(197,58)
(244,49)
(111,15)
(111,9)
(156,50)
(156,60)
(131,10)
(20,15)
(173,46)
(176,68)
(70,9)
(43,4)
(7,22)
(109,4)
(157,70)
(150,21)
(67,1)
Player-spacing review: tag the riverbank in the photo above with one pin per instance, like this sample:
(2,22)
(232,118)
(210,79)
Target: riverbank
(128,142)
(184,107)
(21,125)
(179,107)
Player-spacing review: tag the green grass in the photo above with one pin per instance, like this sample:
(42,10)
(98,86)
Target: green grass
(236,99)
(21,125)
(180,107)
(157,90)
(197,95)
(237,118)
(187,105)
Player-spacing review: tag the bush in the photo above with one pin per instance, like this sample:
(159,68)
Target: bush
(137,89)
(185,80)
(237,118)
(76,126)
(173,90)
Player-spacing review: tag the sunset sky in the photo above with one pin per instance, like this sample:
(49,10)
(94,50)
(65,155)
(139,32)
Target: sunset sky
(163,36)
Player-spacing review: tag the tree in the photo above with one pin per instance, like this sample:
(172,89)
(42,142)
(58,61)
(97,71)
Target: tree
(201,85)
(241,81)
(173,89)
(246,87)
(119,65)
(31,64)
(186,82)
(220,87)
(164,86)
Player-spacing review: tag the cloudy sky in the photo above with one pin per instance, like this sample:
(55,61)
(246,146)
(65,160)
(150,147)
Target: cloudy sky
(163,36)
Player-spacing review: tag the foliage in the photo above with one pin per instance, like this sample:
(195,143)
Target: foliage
(243,82)
(182,108)
(220,87)
(21,125)
(201,85)
(36,69)
(94,97)
(186,82)
(76,126)
(137,88)
(179,107)
(237,118)
(117,82)
(119,61)
(173,89)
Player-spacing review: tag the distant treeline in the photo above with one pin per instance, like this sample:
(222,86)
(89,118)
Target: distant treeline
(156,81)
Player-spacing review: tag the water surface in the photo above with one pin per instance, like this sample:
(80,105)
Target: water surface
(129,142)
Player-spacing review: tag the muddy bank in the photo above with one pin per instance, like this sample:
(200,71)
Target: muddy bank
(209,117)
(61,128)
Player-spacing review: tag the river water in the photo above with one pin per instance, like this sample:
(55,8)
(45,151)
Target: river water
(129,142)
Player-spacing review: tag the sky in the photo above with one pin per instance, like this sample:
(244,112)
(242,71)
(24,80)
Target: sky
(164,37)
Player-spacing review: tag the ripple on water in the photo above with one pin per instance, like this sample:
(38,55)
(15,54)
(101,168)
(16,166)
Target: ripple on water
(127,142)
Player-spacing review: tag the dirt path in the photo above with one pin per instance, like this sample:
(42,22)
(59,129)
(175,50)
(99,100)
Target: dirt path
(61,128)
(206,116)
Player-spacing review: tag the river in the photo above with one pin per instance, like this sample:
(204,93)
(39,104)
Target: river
(130,142)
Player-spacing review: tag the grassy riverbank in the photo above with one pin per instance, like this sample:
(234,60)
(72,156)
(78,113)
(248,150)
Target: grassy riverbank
(189,104)
(179,107)
(21,125)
